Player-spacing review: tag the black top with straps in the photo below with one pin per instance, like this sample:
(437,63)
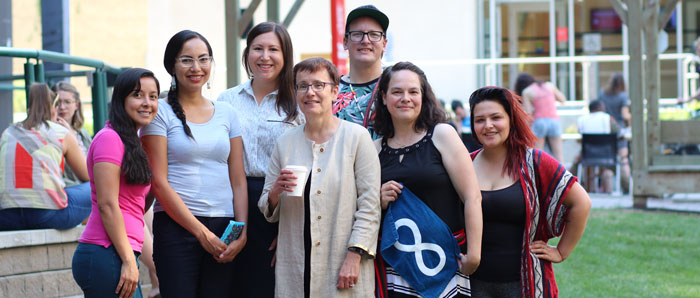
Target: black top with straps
(422,171)
(504,222)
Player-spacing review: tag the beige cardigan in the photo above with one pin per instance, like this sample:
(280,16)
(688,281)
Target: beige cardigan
(344,209)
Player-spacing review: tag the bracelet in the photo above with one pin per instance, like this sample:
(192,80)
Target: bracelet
(358,250)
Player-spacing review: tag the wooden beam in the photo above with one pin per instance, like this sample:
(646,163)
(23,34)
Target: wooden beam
(292,13)
(666,12)
(636,92)
(680,132)
(233,37)
(658,184)
(273,11)
(247,17)
(621,10)
(652,80)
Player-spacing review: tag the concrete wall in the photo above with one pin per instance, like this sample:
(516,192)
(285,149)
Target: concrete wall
(37,263)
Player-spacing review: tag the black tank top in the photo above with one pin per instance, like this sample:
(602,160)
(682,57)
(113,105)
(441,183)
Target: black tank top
(421,170)
(502,240)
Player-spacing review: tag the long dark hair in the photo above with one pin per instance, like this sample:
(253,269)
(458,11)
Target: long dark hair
(520,136)
(135,163)
(616,84)
(431,112)
(171,50)
(285,87)
(39,109)
(523,80)
(77,120)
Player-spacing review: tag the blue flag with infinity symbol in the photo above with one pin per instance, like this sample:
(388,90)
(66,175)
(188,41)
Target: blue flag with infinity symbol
(419,245)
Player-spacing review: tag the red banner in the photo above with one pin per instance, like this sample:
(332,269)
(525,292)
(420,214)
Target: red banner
(338,54)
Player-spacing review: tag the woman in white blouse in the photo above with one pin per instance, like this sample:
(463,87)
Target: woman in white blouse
(327,237)
(266,108)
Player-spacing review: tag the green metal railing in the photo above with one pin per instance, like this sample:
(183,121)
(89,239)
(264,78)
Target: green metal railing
(34,72)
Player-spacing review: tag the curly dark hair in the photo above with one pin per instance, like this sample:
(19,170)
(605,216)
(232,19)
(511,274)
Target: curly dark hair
(171,50)
(135,163)
(431,112)
(285,88)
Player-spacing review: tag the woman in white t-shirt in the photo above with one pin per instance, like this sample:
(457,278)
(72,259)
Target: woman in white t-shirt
(198,177)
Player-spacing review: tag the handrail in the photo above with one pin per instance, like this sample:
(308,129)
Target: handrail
(58,57)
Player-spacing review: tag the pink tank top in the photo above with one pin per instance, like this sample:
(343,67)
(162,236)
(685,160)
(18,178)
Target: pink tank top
(543,102)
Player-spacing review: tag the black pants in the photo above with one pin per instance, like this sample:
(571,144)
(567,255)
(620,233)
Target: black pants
(184,268)
(256,278)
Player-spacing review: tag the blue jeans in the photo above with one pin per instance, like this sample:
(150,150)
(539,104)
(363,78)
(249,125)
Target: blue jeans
(78,209)
(184,268)
(97,269)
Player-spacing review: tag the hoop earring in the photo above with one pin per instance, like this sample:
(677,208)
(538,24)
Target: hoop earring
(173,82)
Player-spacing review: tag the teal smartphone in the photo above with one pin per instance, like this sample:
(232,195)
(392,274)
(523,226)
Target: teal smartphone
(232,232)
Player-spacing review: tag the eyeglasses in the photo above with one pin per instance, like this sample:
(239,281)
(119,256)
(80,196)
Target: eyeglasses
(189,61)
(317,86)
(60,102)
(358,36)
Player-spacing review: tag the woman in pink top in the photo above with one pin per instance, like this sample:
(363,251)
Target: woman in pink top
(539,99)
(105,262)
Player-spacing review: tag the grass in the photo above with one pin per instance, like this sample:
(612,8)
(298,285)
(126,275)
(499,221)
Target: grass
(627,253)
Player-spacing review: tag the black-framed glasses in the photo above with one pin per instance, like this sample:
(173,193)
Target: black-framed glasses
(317,86)
(188,61)
(358,36)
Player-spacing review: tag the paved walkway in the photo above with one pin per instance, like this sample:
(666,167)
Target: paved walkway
(676,202)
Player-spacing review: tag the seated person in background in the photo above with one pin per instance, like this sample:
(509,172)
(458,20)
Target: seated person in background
(598,122)
(32,194)
(69,112)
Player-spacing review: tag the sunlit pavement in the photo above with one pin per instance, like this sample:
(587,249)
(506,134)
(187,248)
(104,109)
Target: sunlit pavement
(676,202)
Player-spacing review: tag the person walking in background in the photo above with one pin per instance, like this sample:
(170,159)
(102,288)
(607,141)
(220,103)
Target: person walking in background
(33,194)
(598,122)
(195,150)
(365,41)
(617,104)
(528,197)
(328,236)
(266,108)
(105,261)
(70,115)
(539,99)
(419,150)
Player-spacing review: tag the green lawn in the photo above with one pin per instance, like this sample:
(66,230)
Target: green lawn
(626,253)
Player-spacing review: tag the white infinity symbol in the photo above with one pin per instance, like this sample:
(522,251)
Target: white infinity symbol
(419,247)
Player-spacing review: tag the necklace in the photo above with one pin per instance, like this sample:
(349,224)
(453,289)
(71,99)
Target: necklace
(412,140)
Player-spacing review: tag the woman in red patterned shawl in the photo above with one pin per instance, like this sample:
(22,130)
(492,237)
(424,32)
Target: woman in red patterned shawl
(528,197)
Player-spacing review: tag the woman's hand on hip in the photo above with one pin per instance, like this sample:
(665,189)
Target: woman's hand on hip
(350,271)
(389,192)
(128,279)
(546,252)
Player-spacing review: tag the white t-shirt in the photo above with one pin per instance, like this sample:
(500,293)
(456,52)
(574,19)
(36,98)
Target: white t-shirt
(198,169)
(593,123)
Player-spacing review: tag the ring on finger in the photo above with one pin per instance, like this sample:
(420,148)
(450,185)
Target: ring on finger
(352,285)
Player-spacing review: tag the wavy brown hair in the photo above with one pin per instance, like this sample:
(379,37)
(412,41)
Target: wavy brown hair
(431,112)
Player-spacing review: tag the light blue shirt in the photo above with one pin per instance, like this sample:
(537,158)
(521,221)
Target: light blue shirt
(198,169)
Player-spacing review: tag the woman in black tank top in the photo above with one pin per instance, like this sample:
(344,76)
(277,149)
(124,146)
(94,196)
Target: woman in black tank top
(427,156)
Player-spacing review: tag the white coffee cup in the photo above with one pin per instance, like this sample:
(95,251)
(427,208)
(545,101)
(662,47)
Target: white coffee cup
(301,172)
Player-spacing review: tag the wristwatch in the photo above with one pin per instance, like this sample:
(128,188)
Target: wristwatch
(358,250)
